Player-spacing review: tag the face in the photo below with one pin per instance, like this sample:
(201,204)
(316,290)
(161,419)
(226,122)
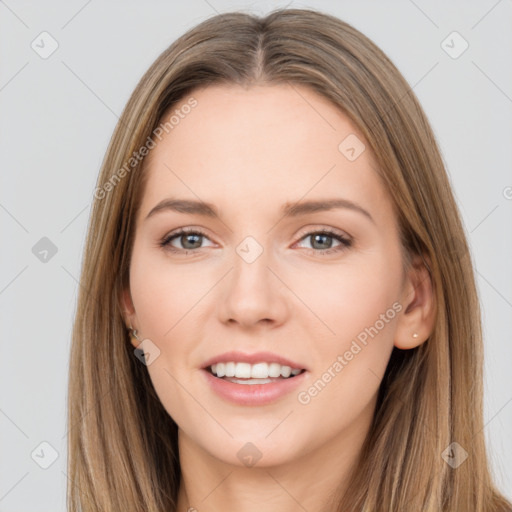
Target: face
(323,288)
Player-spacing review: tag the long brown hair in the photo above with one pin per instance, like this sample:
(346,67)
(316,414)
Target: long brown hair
(122,444)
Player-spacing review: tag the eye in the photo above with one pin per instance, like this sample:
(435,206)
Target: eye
(321,241)
(190,238)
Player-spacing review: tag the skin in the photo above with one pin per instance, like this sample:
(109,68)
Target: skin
(248,151)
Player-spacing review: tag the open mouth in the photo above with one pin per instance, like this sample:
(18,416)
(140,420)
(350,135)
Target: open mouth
(261,373)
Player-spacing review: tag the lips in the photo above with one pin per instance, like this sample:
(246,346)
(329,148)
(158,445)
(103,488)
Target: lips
(256,357)
(254,394)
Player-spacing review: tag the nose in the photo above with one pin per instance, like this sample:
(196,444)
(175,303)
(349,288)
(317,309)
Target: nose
(253,294)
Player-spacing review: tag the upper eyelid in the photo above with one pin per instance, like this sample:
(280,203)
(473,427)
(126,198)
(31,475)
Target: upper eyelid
(328,230)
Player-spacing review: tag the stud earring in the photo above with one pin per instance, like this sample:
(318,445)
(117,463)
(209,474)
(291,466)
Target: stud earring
(415,335)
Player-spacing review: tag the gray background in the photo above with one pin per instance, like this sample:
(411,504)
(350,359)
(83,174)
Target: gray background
(57,116)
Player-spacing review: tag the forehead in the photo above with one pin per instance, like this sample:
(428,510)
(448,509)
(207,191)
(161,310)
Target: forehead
(256,146)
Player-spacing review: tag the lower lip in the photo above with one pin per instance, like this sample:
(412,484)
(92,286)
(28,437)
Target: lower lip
(253,394)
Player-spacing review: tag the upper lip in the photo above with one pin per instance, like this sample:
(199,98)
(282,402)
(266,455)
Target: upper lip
(256,357)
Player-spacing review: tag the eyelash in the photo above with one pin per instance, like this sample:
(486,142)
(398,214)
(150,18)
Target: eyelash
(345,242)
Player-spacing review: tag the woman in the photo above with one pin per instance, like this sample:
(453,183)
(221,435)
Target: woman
(318,346)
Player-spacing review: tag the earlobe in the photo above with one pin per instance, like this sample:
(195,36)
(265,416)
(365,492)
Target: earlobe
(413,341)
(416,323)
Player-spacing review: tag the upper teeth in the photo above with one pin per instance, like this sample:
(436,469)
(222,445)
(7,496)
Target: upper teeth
(254,371)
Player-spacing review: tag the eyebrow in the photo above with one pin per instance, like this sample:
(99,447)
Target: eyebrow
(193,207)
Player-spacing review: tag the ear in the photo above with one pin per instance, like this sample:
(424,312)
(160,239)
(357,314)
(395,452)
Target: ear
(419,306)
(129,315)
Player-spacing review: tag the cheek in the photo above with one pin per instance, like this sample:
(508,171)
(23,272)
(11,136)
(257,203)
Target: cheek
(162,296)
(358,309)
(348,370)
(345,299)
(163,293)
